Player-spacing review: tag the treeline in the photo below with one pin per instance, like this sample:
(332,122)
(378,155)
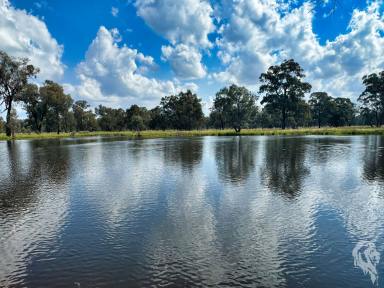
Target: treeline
(49,109)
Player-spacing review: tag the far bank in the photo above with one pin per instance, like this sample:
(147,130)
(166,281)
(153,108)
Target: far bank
(208,132)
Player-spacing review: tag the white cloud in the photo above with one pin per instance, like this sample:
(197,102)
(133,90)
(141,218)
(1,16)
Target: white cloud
(182,21)
(114,75)
(258,35)
(115,11)
(24,35)
(186,24)
(185,61)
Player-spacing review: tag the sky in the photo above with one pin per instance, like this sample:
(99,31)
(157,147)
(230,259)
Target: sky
(123,52)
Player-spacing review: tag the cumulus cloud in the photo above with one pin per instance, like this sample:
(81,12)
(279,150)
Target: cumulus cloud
(186,25)
(184,21)
(24,35)
(257,35)
(184,60)
(116,75)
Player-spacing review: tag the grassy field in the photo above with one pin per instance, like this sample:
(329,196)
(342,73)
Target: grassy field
(208,132)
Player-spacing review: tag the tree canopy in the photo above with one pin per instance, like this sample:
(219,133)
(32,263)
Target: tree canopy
(14,75)
(234,106)
(372,98)
(282,87)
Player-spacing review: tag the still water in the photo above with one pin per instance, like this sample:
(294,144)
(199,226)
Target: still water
(208,212)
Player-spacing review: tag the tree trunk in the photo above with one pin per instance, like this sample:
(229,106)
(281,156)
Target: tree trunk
(237,129)
(283,122)
(377,119)
(58,124)
(8,128)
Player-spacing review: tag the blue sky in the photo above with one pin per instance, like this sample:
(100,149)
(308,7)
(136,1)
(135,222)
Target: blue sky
(118,53)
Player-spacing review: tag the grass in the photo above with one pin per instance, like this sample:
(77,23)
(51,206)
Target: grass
(355,130)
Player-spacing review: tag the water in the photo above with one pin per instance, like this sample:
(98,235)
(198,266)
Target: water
(208,212)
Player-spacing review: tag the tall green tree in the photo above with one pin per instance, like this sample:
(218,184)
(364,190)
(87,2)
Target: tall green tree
(302,115)
(57,104)
(342,112)
(234,106)
(158,121)
(189,111)
(283,87)
(220,111)
(84,117)
(14,76)
(372,97)
(34,107)
(321,105)
(182,111)
(137,118)
(110,119)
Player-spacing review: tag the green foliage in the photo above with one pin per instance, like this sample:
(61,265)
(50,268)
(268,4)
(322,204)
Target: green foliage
(34,106)
(233,107)
(283,88)
(321,105)
(138,118)
(56,105)
(372,98)
(342,112)
(182,112)
(85,119)
(158,119)
(110,119)
(14,75)
(301,117)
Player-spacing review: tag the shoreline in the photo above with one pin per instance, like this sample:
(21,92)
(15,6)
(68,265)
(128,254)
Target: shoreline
(340,131)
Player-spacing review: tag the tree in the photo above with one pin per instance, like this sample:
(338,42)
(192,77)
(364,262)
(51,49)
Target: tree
(15,123)
(85,118)
(342,112)
(320,103)
(137,118)
(219,116)
(14,75)
(189,112)
(110,119)
(372,97)
(283,88)
(57,104)
(2,125)
(157,119)
(34,107)
(234,106)
(182,111)
(302,115)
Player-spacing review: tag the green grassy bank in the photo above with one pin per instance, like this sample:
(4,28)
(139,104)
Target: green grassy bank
(208,132)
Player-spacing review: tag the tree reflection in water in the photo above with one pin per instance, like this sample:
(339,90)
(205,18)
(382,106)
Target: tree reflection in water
(235,158)
(285,167)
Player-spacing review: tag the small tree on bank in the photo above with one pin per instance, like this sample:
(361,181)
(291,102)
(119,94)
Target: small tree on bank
(234,106)
(14,75)
(283,88)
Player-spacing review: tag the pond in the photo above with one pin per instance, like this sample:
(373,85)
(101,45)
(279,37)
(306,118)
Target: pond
(203,212)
